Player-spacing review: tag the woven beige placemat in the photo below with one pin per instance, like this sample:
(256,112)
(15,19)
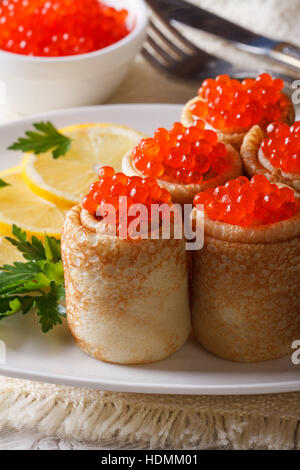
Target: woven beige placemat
(166,421)
(155,421)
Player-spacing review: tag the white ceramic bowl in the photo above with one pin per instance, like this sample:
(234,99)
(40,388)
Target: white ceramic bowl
(35,84)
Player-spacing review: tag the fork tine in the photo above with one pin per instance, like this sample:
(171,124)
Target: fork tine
(183,41)
(165,39)
(180,38)
(160,51)
(154,61)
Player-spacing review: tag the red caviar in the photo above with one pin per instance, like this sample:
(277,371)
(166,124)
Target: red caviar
(59,27)
(232,106)
(111,185)
(247,203)
(182,154)
(282,146)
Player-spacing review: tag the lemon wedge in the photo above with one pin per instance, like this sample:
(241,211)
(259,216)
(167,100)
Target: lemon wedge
(66,179)
(9,253)
(20,206)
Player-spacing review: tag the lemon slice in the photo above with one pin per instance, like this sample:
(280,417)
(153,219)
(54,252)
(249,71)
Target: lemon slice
(9,253)
(66,179)
(20,206)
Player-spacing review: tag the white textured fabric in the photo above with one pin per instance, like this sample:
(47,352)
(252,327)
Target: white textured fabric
(43,416)
(61,415)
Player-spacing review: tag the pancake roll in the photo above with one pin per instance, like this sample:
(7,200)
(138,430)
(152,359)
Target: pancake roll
(246,286)
(186,161)
(264,153)
(127,299)
(231,108)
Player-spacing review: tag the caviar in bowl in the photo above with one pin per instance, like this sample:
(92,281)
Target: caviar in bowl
(66,77)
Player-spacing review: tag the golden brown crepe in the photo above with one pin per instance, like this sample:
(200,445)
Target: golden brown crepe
(245,289)
(127,300)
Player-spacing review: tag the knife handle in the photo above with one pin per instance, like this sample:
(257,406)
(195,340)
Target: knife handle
(287,54)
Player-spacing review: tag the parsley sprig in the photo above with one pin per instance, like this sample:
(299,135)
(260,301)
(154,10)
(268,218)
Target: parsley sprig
(38,282)
(47,138)
(3,183)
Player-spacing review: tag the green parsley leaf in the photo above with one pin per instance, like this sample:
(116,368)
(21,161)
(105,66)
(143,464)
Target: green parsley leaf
(41,276)
(39,282)
(3,183)
(48,308)
(54,272)
(52,249)
(47,138)
(11,305)
(14,276)
(33,250)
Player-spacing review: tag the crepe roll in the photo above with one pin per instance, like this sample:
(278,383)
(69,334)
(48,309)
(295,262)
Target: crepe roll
(246,279)
(274,153)
(231,107)
(127,298)
(184,161)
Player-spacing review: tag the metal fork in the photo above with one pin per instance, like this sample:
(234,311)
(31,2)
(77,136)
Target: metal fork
(174,54)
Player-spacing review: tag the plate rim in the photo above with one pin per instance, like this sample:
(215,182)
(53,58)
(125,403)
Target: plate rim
(11,122)
(153,388)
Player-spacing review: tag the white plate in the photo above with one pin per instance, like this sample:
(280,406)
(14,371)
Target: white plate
(55,357)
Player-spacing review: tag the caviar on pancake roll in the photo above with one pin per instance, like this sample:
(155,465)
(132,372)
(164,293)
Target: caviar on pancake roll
(127,296)
(274,152)
(246,279)
(232,107)
(184,160)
